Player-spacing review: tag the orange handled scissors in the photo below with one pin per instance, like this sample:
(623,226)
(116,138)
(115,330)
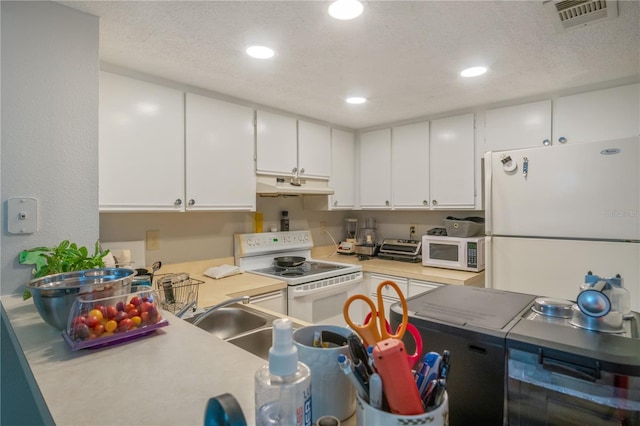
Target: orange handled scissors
(375,330)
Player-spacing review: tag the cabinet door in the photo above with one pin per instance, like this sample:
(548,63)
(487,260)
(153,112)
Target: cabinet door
(409,165)
(219,155)
(389,294)
(141,146)
(598,115)
(277,151)
(519,126)
(314,150)
(418,287)
(452,162)
(375,169)
(342,169)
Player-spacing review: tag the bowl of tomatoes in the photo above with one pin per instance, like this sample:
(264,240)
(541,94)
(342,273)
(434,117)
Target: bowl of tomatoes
(95,322)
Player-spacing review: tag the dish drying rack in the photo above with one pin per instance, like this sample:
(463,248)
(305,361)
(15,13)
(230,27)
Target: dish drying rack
(178,292)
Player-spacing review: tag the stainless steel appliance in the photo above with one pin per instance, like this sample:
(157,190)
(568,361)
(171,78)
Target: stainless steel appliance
(403,250)
(472,323)
(464,254)
(517,359)
(316,290)
(367,239)
(348,246)
(562,374)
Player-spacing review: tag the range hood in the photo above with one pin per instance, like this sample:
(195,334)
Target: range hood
(272,186)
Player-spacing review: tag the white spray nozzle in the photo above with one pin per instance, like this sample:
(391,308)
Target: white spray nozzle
(283,355)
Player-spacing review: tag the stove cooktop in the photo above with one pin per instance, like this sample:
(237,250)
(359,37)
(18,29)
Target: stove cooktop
(307,269)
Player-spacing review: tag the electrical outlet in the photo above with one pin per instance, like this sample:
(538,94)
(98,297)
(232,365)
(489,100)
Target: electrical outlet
(153,240)
(323,226)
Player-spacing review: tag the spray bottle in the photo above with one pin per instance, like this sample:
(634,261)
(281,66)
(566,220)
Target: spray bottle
(283,385)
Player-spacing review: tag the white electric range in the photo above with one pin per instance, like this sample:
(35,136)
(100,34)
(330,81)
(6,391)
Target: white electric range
(316,290)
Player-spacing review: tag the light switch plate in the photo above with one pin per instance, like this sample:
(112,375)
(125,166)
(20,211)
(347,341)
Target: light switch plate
(22,215)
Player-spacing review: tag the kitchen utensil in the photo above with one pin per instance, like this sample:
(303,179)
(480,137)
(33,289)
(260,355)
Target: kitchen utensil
(332,394)
(552,307)
(375,330)
(289,261)
(54,295)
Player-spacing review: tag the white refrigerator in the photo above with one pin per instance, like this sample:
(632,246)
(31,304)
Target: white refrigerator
(554,213)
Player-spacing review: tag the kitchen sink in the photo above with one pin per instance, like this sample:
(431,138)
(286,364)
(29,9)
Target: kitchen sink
(247,328)
(258,342)
(233,320)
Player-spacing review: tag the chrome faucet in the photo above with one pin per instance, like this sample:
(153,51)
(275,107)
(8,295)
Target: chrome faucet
(201,317)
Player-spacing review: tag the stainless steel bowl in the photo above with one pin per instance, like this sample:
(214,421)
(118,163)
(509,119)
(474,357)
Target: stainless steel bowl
(53,295)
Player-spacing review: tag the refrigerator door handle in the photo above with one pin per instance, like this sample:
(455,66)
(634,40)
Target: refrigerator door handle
(488,261)
(488,174)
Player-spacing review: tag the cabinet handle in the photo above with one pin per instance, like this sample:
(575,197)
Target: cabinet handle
(335,203)
(546,142)
(178,202)
(192,202)
(386,203)
(434,202)
(302,171)
(294,170)
(425,202)
(562,139)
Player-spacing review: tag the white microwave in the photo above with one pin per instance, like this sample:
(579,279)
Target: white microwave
(464,254)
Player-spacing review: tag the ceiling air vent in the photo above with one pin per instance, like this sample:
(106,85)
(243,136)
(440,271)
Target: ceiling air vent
(576,13)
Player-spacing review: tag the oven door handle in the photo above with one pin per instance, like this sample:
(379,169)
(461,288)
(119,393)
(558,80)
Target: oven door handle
(303,290)
(568,369)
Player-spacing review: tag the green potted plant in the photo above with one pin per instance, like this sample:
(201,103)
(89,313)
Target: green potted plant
(65,257)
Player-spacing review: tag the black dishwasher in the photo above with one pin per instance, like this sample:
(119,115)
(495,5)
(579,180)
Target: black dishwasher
(472,323)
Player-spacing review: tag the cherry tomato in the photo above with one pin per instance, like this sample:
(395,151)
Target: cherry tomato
(125,324)
(153,314)
(128,307)
(78,320)
(81,331)
(92,321)
(136,320)
(101,308)
(144,306)
(135,301)
(120,316)
(145,317)
(133,313)
(120,306)
(98,330)
(110,326)
(111,312)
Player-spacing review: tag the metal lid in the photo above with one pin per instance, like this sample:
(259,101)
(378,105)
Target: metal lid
(551,307)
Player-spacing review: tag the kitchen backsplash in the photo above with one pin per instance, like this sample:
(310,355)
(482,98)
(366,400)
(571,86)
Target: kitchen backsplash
(205,235)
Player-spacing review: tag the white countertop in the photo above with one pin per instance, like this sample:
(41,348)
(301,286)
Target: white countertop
(165,378)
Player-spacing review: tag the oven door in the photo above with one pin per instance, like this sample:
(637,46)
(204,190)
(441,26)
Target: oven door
(322,302)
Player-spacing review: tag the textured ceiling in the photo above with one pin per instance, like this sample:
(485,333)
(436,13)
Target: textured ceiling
(403,56)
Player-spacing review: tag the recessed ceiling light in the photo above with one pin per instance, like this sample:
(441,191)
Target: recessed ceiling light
(260,52)
(473,71)
(345,9)
(356,100)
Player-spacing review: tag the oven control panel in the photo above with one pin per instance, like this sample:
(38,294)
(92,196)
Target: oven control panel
(268,242)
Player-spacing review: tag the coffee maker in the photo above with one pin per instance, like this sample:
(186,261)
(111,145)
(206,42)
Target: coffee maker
(349,245)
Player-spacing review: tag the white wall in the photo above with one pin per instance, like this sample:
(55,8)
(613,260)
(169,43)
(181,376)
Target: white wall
(49,127)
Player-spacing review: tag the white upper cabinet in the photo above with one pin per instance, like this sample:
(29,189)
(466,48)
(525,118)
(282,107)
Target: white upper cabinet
(599,115)
(286,147)
(375,169)
(314,150)
(409,166)
(219,155)
(342,169)
(141,146)
(277,144)
(451,165)
(519,126)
